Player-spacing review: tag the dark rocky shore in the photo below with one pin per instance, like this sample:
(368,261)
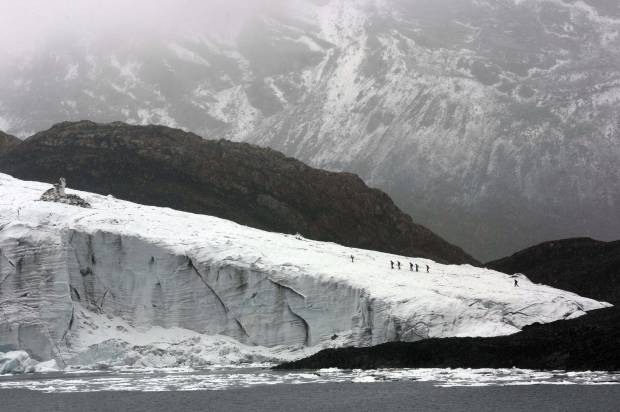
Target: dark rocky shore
(591,342)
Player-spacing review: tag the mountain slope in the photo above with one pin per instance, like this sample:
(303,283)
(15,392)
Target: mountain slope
(493,123)
(257,187)
(7,141)
(584,266)
(80,284)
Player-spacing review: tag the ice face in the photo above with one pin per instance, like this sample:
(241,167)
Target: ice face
(71,278)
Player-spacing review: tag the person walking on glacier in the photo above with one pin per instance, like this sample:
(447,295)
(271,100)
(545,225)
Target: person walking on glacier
(411,266)
(392,263)
(417,267)
(428,268)
(398,264)
(516,283)
(352,259)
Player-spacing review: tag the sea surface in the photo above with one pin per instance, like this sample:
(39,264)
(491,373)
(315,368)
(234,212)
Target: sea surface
(260,389)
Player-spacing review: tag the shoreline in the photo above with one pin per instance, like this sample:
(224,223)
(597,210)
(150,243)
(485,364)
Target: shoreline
(336,397)
(590,342)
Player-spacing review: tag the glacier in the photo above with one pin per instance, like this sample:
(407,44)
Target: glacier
(125,284)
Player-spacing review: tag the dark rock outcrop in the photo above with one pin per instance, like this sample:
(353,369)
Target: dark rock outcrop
(591,342)
(585,266)
(254,186)
(57,194)
(7,141)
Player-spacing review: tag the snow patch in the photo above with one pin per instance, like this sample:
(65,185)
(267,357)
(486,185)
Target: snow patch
(187,55)
(72,71)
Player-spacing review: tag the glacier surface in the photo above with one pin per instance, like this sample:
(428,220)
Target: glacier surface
(124,284)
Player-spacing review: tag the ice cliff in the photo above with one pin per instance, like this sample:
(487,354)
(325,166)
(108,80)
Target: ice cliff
(120,277)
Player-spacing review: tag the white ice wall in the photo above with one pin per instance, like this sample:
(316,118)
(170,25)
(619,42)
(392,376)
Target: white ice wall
(153,267)
(148,285)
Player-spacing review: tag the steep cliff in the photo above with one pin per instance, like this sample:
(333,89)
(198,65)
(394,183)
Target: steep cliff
(101,284)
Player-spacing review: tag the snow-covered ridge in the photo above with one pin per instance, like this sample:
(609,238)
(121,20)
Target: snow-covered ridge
(123,276)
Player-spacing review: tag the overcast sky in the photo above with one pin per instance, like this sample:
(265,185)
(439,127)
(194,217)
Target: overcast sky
(26,24)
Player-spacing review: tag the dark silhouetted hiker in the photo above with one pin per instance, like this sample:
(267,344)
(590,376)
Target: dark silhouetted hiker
(392,263)
(398,262)
(428,268)
(352,259)
(411,266)
(516,283)
(416,267)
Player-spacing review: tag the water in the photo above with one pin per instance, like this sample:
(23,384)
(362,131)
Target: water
(258,389)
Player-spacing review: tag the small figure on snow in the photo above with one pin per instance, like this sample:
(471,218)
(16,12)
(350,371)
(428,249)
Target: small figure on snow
(516,283)
(417,267)
(398,265)
(411,266)
(428,268)
(392,263)
(352,259)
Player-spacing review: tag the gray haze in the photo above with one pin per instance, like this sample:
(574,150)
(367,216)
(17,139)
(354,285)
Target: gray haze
(494,123)
(30,24)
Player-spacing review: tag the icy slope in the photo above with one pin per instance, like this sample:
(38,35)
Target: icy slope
(71,278)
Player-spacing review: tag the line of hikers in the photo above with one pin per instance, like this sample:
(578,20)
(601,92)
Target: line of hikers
(411,266)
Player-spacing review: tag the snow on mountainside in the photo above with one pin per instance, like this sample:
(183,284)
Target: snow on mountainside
(126,284)
(493,123)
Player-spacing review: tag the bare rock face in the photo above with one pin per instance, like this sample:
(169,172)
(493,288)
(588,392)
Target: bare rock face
(7,141)
(258,187)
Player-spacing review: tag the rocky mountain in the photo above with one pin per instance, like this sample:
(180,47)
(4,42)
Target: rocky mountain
(124,284)
(258,187)
(584,266)
(492,122)
(7,141)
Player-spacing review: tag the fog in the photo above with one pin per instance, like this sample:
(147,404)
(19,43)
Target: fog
(28,24)
(494,123)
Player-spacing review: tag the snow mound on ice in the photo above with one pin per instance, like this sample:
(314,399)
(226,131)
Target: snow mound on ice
(17,362)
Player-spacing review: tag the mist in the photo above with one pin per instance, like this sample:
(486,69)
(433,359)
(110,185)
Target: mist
(31,24)
(465,112)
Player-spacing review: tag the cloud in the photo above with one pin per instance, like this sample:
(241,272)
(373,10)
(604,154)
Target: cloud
(28,24)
